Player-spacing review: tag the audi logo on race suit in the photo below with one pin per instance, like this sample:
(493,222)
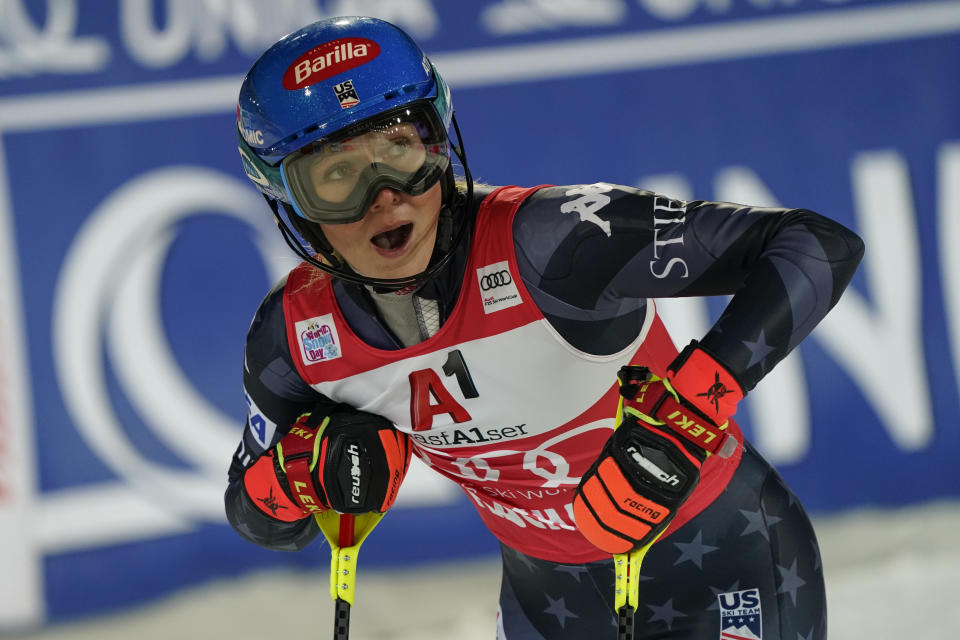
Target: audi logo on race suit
(497,287)
(494,280)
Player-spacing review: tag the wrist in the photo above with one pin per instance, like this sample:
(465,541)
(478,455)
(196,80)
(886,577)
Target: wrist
(653,400)
(705,383)
(268,494)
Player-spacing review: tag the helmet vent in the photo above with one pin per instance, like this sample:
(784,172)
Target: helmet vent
(399,92)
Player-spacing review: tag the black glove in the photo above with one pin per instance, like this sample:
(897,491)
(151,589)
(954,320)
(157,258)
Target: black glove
(347,460)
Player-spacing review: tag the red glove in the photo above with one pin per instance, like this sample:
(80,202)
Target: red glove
(695,400)
(651,464)
(347,460)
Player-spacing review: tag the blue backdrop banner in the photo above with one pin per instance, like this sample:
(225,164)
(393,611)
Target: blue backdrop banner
(133,250)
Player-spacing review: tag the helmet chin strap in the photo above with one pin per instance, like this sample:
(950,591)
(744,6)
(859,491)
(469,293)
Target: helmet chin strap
(338,267)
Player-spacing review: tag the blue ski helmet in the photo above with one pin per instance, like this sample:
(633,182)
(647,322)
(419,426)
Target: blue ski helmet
(315,90)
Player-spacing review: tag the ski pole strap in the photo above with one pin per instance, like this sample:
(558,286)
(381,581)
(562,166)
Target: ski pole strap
(337,527)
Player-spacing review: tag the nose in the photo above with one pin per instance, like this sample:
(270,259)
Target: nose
(385,198)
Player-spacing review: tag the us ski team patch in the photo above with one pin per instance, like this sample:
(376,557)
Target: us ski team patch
(740,615)
(318,339)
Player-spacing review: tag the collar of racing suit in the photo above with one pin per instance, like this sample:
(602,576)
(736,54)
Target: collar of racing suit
(380,320)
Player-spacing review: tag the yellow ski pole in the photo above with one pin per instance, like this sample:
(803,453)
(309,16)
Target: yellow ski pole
(345,533)
(626,589)
(626,571)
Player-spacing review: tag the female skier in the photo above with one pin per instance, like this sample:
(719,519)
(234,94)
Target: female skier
(494,332)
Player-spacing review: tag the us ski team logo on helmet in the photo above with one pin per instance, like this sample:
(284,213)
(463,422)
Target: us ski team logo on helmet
(346,94)
(327,60)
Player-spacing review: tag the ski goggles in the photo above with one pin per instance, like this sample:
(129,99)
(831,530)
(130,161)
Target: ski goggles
(335,180)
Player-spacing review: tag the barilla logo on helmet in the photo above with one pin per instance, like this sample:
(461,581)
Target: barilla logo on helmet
(327,60)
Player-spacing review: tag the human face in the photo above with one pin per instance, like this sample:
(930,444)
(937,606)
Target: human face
(395,238)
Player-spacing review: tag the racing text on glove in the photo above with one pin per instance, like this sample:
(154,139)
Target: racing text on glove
(651,464)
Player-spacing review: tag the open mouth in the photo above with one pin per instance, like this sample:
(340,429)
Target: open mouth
(394,238)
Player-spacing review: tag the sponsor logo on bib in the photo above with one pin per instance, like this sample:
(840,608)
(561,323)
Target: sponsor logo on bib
(498,290)
(318,340)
